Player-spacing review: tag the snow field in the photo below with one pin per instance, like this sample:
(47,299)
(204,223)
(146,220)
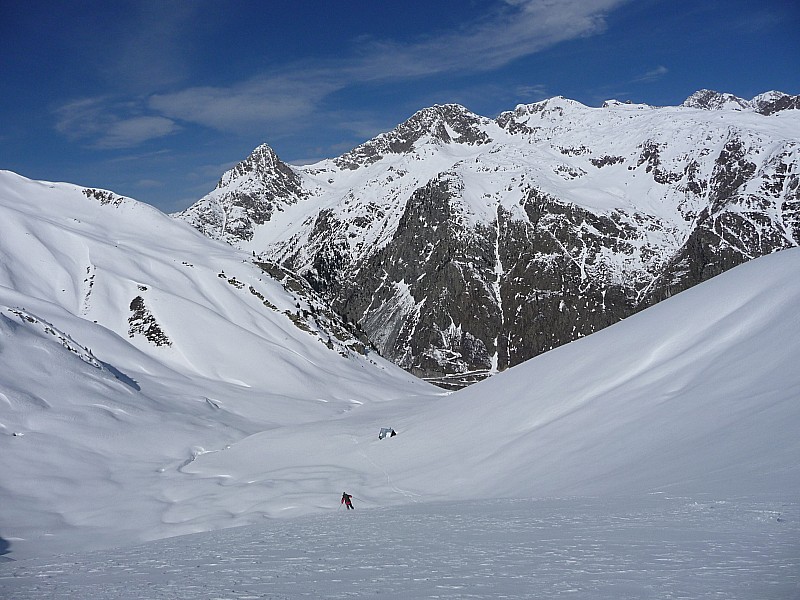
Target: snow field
(659,457)
(654,546)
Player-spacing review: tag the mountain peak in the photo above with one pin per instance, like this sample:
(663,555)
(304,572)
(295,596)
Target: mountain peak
(262,163)
(773,101)
(246,196)
(766,104)
(713,100)
(447,112)
(556,103)
(445,123)
(438,124)
(551,110)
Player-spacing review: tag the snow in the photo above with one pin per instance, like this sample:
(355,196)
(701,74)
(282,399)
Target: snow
(656,458)
(657,546)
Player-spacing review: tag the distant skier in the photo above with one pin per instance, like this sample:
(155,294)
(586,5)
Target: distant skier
(346,500)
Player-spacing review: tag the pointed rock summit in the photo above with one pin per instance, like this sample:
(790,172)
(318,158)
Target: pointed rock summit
(262,165)
(712,100)
(437,125)
(246,197)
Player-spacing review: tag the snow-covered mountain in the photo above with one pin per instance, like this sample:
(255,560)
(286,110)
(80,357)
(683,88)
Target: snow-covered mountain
(133,270)
(204,404)
(462,245)
(130,344)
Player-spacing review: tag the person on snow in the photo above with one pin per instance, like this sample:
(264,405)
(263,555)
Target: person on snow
(346,500)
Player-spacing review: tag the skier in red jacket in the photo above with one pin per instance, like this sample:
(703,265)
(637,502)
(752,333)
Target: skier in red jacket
(346,500)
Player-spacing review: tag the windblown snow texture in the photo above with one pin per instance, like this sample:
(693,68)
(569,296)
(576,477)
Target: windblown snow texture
(656,547)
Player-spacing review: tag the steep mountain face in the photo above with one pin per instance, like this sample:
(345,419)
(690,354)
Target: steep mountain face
(463,245)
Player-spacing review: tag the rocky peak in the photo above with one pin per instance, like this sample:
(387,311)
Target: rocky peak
(445,124)
(772,102)
(557,107)
(614,103)
(439,124)
(627,104)
(767,103)
(245,197)
(262,164)
(556,103)
(713,100)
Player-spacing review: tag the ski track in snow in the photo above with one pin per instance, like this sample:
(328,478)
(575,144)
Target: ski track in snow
(653,546)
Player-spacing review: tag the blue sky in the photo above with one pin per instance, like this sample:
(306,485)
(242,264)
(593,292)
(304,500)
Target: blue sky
(155,99)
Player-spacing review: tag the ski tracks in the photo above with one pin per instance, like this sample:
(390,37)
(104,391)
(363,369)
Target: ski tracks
(405,493)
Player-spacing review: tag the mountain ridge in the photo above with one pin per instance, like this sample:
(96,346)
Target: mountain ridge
(564,218)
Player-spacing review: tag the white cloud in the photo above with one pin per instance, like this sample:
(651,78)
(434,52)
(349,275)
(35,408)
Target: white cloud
(106,124)
(653,74)
(520,28)
(532,93)
(264,99)
(124,133)
(278,100)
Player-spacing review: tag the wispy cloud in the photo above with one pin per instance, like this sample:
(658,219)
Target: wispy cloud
(266,99)
(652,75)
(532,93)
(520,28)
(278,99)
(124,133)
(102,123)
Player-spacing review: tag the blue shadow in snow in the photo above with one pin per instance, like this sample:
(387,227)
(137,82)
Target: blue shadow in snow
(5,546)
(121,376)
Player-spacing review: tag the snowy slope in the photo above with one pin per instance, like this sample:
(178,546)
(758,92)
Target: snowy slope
(130,344)
(677,437)
(119,440)
(656,547)
(696,394)
(93,254)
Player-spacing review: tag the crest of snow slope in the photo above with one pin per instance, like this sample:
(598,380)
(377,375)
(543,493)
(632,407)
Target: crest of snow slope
(93,253)
(96,420)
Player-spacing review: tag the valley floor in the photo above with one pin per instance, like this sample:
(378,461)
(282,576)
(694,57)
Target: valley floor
(657,546)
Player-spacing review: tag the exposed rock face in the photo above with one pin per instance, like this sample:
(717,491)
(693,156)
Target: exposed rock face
(142,322)
(463,245)
(767,103)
